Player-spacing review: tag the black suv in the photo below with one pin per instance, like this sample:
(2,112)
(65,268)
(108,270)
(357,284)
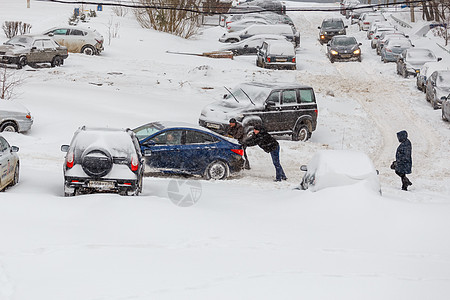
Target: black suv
(103,159)
(283,108)
(330,28)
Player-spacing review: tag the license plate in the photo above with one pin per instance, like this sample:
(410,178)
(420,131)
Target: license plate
(346,55)
(281,59)
(104,185)
(211,125)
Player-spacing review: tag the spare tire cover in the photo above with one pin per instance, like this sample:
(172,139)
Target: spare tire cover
(96,162)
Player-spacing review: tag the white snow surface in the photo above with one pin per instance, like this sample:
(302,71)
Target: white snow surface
(247,237)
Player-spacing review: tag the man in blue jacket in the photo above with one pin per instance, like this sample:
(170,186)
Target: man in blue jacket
(270,145)
(403,159)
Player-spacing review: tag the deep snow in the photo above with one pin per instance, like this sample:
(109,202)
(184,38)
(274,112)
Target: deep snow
(247,237)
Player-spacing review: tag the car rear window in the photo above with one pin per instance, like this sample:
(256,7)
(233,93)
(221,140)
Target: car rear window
(282,49)
(307,96)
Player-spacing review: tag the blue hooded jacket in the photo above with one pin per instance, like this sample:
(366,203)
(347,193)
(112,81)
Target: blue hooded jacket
(403,155)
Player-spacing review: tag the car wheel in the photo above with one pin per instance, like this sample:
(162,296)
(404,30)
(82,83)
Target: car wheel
(69,194)
(22,62)
(231,41)
(56,62)
(332,60)
(443,115)
(217,170)
(301,133)
(248,131)
(16,176)
(404,73)
(434,103)
(8,127)
(359,58)
(88,50)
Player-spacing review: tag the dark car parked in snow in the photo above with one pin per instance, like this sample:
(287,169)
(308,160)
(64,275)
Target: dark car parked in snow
(330,28)
(343,48)
(445,107)
(22,50)
(181,148)
(277,55)
(283,108)
(411,60)
(103,159)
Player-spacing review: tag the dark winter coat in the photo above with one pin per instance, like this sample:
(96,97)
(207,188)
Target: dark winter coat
(264,140)
(236,132)
(403,155)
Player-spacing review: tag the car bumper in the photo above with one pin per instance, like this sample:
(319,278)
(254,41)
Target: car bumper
(99,185)
(9,60)
(346,56)
(214,126)
(280,65)
(25,125)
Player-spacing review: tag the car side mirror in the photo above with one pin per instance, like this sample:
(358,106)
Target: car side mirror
(443,98)
(433,83)
(439,59)
(318,27)
(245,46)
(51,34)
(14,149)
(245,32)
(360,44)
(149,143)
(346,26)
(407,36)
(270,103)
(224,96)
(147,152)
(65,148)
(413,45)
(303,168)
(329,44)
(33,48)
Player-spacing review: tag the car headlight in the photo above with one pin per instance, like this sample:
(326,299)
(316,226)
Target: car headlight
(334,52)
(322,37)
(357,51)
(341,32)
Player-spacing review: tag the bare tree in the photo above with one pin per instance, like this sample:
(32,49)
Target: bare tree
(178,17)
(442,14)
(113,29)
(120,11)
(9,81)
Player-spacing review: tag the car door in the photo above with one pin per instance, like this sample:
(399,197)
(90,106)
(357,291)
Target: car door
(262,54)
(36,52)
(163,150)
(200,149)
(289,107)
(431,83)
(271,115)
(60,36)
(76,40)
(4,158)
(49,50)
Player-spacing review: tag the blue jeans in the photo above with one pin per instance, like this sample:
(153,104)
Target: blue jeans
(276,162)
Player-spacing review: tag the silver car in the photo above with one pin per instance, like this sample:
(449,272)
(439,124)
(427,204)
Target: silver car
(412,59)
(438,86)
(9,164)
(14,117)
(393,47)
(78,39)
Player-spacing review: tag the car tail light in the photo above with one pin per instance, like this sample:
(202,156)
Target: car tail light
(366,23)
(317,112)
(75,181)
(388,50)
(268,59)
(28,116)
(127,183)
(99,41)
(69,160)
(134,163)
(238,151)
(293,59)
(228,27)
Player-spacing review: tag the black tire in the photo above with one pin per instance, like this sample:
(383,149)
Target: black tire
(67,194)
(22,62)
(96,162)
(332,60)
(56,61)
(434,103)
(217,170)
(301,133)
(359,58)
(404,73)
(8,127)
(231,41)
(88,50)
(16,176)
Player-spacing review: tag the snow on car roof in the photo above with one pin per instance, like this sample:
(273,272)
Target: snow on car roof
(278,47)
(117,141)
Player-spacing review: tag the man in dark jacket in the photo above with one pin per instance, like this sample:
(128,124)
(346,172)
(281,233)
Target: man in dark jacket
(236,131)
(270,145)
(403,160)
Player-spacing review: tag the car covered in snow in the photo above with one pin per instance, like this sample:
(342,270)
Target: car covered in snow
(282,108)
(377,32)
(276,55)
(388,35)
(250,45)
(23,50)
(438,86)
(332,168)
(411,60)
(77,39)
(343,48)
(14,117)
(9,164)
(242,24)
(426,70)
(367,19)
(393,48)
(181,148)
(329,28)
(280,29)
(103,160)
(445,107)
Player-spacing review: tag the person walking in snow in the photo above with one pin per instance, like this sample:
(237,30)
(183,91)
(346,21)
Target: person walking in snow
(270,145)
(403,160)
(236,131)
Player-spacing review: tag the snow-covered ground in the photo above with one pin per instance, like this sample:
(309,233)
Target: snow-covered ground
(247,237)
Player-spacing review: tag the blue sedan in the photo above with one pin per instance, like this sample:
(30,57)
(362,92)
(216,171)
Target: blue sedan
(171,147)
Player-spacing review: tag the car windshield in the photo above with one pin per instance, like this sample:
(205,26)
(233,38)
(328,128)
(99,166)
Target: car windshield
(443,79)
(332,24)
(257,94)
(148,129)
(347,41)
(24,41)
(421,54)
